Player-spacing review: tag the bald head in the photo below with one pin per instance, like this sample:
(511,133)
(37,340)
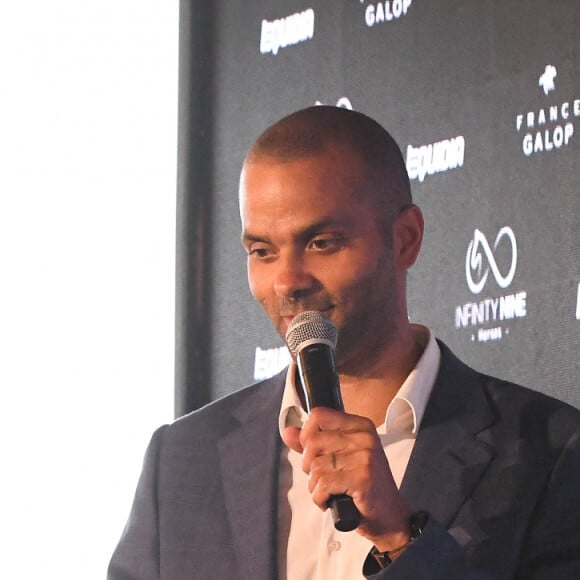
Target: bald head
(313,131)
(328,225)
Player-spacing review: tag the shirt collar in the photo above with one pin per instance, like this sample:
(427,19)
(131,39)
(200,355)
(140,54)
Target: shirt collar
(408,405)
(291,412)
(407,408)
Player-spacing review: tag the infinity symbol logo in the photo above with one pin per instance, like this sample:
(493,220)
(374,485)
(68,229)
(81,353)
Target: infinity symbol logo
(474,260)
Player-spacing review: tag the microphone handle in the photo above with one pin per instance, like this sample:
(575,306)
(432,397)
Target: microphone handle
(319,380)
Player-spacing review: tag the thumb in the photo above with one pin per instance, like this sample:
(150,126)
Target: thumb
(291,437)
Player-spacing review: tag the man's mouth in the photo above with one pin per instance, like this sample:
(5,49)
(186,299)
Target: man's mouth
(287,316)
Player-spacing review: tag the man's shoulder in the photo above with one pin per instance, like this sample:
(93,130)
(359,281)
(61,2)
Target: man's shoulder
(252,402)
(508,401)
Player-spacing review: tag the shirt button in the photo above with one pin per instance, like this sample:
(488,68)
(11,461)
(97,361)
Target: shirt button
(333,546)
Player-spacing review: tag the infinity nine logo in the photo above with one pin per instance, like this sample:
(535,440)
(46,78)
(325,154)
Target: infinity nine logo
(488,318)
(474,260)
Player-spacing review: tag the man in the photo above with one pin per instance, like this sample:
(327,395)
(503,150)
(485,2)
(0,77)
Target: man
(455,474)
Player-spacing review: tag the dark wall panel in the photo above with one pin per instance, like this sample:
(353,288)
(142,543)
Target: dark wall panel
(484,99)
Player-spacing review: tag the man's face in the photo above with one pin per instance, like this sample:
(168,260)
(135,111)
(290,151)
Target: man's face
(313,244)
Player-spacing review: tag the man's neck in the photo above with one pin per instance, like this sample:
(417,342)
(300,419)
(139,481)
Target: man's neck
(369,394)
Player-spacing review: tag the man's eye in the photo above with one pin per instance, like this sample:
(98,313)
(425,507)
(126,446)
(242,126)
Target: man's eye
(324,243)
(259,252)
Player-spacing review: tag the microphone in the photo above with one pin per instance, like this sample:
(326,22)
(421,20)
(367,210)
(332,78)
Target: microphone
(311,338)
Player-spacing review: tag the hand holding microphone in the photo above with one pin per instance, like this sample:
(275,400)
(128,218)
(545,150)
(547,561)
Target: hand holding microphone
(342,452)
(311,338)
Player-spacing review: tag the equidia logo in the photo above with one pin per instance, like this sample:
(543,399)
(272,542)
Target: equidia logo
(283,32)
(474,260)
(435,157)
(270,361)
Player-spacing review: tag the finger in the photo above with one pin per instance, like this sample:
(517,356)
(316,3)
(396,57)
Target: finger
(325,466)
(342,444)
(333,456)
(337,464)
(324,419)
(336,483)
(291,438)
(323,443)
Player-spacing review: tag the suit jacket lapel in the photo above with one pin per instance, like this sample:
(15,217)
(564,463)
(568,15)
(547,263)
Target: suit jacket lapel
(448,460)
(249,456)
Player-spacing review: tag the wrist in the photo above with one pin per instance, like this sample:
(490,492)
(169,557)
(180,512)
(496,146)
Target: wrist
(395,533)
(379,559)
(393,541)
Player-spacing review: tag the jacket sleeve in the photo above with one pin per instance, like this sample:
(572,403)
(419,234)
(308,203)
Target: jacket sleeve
(552,546)
(435,555)
(136,556)
(550,549)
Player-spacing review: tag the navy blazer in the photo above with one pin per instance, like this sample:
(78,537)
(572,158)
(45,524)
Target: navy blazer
(495,464)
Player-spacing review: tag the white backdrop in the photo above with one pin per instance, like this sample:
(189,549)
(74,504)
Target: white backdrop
(88,121)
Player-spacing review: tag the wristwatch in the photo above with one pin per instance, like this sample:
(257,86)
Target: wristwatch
(377,561)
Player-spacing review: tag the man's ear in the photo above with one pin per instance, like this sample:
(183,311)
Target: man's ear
(407,236)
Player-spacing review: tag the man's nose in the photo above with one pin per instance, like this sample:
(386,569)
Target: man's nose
(292,277)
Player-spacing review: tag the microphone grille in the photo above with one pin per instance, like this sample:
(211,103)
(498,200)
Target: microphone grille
(310,327)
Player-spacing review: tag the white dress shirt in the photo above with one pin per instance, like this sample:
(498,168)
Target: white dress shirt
(309,547)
